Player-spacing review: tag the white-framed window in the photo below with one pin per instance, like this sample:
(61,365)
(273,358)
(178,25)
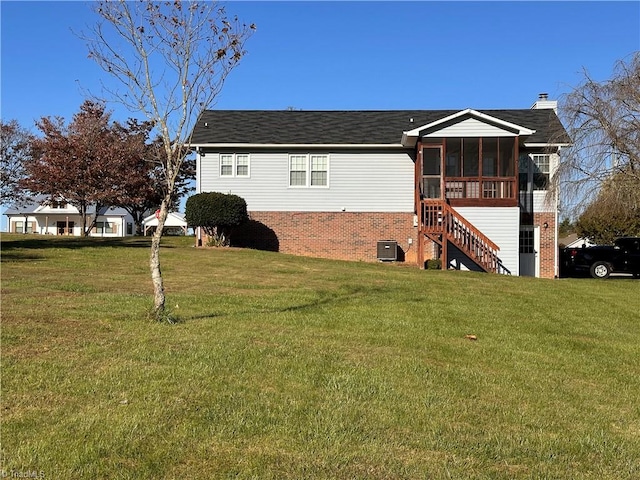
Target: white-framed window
(308,170)
(541,170)
(234,165)
(21,226)
(105,227)
(242,165)
(297,170)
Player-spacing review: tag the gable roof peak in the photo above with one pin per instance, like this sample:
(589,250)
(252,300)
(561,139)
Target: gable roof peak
(409,138)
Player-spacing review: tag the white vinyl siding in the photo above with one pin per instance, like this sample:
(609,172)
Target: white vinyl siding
(502,226)
(357,181)
(472,127)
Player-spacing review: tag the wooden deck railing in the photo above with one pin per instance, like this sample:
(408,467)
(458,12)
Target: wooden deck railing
(485,188)
(438,218)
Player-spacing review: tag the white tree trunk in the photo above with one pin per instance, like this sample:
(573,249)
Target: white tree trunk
(154,265)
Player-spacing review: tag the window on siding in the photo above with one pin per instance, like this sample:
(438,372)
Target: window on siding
(319,170)
(234,165)
(105,227)
(309,170)
(541,171)
(226,165)
(297,170)
(242,165)
(19,227)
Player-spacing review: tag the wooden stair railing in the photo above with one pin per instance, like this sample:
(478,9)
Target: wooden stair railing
(442,223)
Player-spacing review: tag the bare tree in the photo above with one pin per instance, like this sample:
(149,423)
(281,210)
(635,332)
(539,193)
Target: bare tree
(170,60)
(603,121)
(15,151)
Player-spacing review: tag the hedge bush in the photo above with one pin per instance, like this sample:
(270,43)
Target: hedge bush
(216,213)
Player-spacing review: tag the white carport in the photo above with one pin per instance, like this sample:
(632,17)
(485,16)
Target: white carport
(174,219)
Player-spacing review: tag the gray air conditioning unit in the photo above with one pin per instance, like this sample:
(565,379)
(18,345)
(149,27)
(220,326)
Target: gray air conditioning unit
(387,250)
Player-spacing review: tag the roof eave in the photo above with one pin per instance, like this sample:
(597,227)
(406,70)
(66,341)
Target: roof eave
(296,145)
(542,144)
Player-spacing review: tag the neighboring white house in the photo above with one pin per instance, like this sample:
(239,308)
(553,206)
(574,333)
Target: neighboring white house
(175,220)
(573,241)
(466,186)
(60,218)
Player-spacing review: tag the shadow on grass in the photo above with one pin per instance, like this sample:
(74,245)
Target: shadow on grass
(43,242)
(326,298)
(18,257)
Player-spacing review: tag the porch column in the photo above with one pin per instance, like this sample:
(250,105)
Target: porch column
(66,229)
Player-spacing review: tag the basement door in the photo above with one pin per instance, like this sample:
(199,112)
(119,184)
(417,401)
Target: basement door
(529,251)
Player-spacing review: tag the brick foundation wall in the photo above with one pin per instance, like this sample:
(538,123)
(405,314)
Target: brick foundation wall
(335,235)
(548,244)
(354,235)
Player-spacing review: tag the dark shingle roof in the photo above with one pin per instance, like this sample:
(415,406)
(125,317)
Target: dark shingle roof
(348,127)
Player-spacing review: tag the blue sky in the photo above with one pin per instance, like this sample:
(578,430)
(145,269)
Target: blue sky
(344,55)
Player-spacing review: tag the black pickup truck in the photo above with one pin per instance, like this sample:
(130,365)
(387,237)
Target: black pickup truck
(602,260)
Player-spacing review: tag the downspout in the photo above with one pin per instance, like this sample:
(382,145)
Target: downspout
(199,156)
(556,260)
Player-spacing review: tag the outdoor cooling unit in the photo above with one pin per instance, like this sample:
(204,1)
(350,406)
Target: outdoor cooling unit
(387,250)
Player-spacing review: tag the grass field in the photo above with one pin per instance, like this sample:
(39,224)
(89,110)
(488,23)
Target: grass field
(290,368)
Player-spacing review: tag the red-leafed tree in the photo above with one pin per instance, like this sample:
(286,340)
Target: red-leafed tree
(143,188)
(93,162)
(74,162)
(135,189)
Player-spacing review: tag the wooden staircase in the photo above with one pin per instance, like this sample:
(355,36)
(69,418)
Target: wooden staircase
(442,224)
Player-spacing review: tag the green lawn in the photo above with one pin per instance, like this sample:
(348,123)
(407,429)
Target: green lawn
(285,367)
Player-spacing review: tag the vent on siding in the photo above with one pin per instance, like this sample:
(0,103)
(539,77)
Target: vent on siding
(387,250)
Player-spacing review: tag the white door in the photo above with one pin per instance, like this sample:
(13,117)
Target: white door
(529,248)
